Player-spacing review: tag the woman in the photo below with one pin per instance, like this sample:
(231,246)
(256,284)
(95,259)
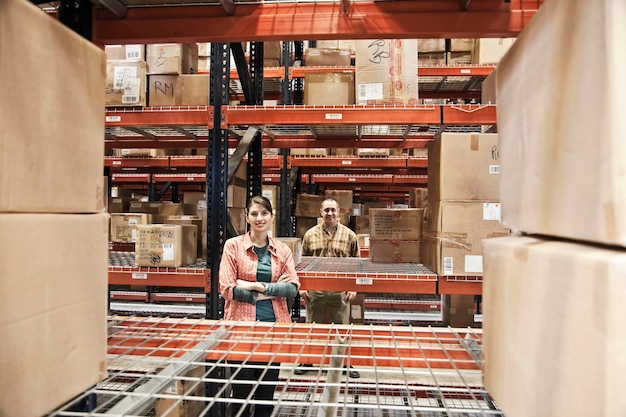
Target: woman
(257,275)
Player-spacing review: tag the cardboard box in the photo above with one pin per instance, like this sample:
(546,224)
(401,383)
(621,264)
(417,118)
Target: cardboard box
(490,50)
(553,327)
(178,90)
(457,310)
(159,245)
(462,44)
(329,88)
(344,198)
(190,385)
(193,220)
(386,71)
(138,152)
(53,315)
(373,152)
(237,196)
(172,58)
(488,89)
(320,57)
(464,166)
(357,309)
(395,251)
(418,197)
(295,244)
(350,45)
(303,224)
(431,59)
(124,226)
(125,52)
(431,45)
(364,240)
(452,234)
(51,116)
(238,216)
(396,224)
(362,225)
(367,206)
(149,207)
(272,193)
(308,205)
(459,58)
(272,54)
(125,83)
(562,143)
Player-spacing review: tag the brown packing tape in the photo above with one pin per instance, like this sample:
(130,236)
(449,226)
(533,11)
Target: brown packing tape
(474,141)
(497,234)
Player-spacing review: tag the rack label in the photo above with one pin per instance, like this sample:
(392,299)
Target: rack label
(346,162)
(364,281)
(139,275)
(113,119)
(333,116)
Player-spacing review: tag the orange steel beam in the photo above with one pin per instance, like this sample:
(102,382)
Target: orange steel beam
(199,178)
(469,114)
(417,162)
(297,21)
(309,141)
(410,179)
(162,277)
(135,162)
(363,282)
(348,162)
(161,116)
(460,285)
(407,347)
(353,179)
(143,178)
(329,115)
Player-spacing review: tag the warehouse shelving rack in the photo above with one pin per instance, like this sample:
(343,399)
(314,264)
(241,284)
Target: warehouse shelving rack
(404,370)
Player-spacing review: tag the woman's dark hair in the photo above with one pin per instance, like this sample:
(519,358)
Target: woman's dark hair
(262,201)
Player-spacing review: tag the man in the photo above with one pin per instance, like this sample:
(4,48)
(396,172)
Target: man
(330,239)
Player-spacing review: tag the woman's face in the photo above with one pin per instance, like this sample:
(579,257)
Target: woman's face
(259,218)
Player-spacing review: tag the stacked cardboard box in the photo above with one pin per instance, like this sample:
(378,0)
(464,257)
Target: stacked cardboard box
(395,235)
(328,88)
(349,45)
(463,209)
(555,300)
(307,212)
(386,71)
(173,78)
(126,75)
(53,231)
(272,54)
(166,245)
(204,57)
(178,90)
(125,83)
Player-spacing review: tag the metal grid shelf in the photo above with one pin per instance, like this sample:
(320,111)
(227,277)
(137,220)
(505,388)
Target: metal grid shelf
(346,274)
(415,371)
(123,271)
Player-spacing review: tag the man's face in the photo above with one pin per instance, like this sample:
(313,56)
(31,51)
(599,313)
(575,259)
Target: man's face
(329,212)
